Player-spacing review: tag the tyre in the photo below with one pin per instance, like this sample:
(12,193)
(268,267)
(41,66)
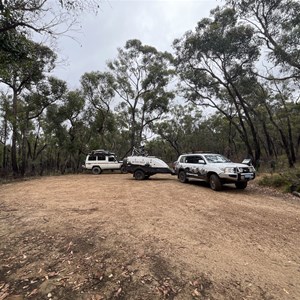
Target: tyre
(215,183)
(182,176)
(96,170)
(241,185)
(123,170)
(139,175)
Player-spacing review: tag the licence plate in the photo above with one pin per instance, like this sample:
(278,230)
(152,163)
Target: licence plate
(247,176)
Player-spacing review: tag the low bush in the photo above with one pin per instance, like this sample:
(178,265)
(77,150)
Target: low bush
(287,181)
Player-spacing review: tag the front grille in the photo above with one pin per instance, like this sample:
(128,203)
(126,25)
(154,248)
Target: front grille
(244,170)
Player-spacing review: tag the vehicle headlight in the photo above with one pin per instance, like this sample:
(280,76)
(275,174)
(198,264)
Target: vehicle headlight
(230,170)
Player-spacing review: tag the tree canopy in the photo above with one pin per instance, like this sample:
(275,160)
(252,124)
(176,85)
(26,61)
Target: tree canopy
(237,90)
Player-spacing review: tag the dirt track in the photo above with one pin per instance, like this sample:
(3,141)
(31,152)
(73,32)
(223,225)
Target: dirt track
(111,237)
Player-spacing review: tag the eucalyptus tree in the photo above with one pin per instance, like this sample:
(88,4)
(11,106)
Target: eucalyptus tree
(41,16)
(99,95)
(180,128)
(188,129)
(277,25)
(140,76)
(215,63)
(42,19)
(159,147)
(280,108)
(67,129)
(21,76)
(98,90)
(31,113)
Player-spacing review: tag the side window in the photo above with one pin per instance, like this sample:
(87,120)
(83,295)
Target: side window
(190,159)
(193,159)
(199,158)
(101,157)
(91,158)
(111,158)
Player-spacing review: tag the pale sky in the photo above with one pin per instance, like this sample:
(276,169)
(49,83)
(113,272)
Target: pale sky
(154,22)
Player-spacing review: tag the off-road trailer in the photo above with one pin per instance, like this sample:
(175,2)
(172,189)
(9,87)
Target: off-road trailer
(143,166)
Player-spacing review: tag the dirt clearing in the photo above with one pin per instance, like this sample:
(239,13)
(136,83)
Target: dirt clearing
(112,237)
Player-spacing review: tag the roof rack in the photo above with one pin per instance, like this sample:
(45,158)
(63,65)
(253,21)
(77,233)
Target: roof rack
(101,151)
(199,152)
(206,152)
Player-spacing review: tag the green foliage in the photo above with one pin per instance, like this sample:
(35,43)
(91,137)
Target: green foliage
(161,148)
(275,180)
(277,26)
(215,64)
(21,73)
(285,181)
(253,113)
(139,76)
(20,19)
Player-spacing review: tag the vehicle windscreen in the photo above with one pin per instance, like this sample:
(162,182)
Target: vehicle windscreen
(216,158)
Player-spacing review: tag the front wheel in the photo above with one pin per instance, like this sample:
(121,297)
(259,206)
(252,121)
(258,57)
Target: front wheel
(215,183)
(139,175)
(241,185)
(182,177)
(96,170)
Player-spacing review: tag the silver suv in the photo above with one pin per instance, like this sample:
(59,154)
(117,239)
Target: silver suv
(214,169)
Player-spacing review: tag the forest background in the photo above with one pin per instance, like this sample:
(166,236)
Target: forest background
(241,64)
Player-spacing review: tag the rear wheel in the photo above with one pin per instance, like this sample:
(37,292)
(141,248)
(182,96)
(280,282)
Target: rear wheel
(96,170)
(182,177)
(123,170)
(139,175)
(215,183)
(241,185)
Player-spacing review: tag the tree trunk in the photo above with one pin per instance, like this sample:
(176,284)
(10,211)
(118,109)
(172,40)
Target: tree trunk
(4,158)
(270,145)
(284,140)
(23,150)
(291,142)
(133,132)
(249,121)
(14,162)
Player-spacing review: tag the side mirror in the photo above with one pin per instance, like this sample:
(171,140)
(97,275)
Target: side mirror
(201,161)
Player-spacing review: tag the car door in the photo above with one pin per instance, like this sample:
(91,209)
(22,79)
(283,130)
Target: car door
(191,165)
(102,161)
(112,163)
(196,166)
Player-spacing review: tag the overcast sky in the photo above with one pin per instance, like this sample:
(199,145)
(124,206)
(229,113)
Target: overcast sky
(153,22)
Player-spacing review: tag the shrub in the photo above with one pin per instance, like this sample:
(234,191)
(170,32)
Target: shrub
(288,181)
(276,181)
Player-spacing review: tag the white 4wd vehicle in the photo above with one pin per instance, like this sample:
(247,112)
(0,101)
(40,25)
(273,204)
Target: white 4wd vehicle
(99,160)
(214,169)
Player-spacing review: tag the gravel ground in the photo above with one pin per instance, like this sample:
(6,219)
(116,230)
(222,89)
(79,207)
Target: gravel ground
(112,237)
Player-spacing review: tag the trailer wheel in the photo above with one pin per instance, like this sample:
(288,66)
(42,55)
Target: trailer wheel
(96,170)
(139,175)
